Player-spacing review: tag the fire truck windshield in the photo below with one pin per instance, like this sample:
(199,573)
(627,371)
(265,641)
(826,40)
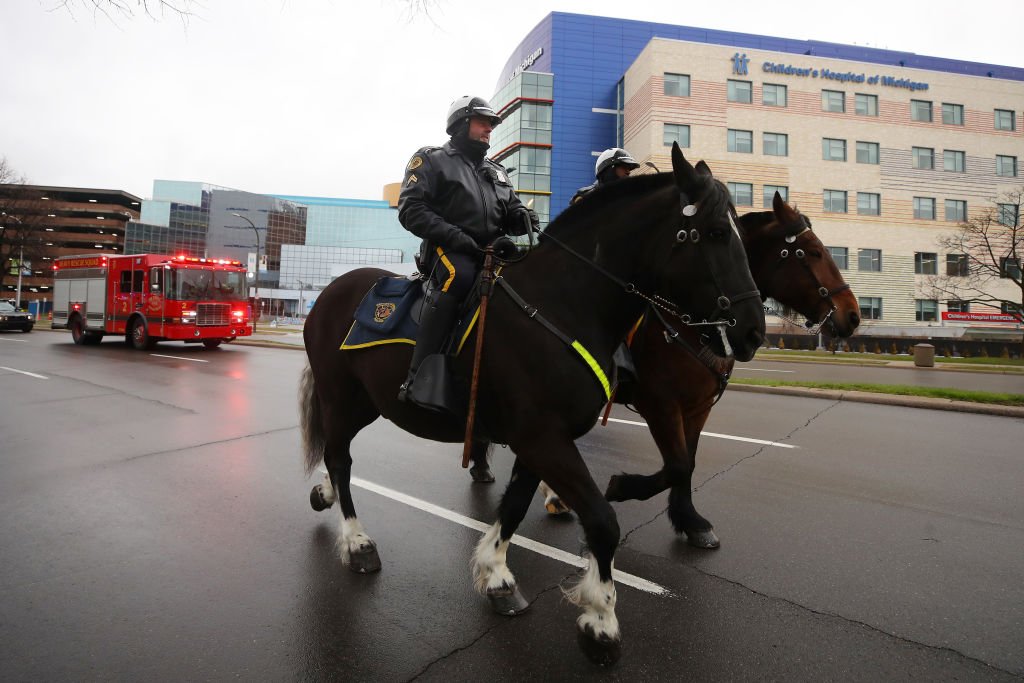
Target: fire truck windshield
(194,284)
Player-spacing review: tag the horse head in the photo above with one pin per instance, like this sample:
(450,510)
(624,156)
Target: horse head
(720,280)
(791,265)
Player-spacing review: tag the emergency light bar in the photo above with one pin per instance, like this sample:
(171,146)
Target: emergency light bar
(215,261)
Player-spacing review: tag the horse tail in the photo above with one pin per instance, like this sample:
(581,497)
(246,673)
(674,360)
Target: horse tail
(314,442)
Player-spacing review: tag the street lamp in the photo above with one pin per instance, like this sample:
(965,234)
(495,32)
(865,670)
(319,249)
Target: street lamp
(256,271)
(302,288)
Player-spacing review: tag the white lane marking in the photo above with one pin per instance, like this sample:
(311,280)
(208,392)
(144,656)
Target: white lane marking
(761,370)
(20,341)
(521,541)
(23,372)
(717,436)
(194,360)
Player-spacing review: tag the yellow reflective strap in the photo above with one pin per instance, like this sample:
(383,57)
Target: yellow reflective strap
(601,377)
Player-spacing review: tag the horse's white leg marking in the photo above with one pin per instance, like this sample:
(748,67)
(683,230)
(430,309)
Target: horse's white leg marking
(597,599)
(490,571)
(351,537)
(327,491)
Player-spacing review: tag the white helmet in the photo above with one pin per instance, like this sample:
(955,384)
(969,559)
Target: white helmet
(616,156)
(466,107)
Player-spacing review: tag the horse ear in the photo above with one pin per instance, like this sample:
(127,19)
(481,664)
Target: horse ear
(703,168)
(684,173)
(784,213)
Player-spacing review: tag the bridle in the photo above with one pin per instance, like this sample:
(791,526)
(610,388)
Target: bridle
(686,234)
(801,256)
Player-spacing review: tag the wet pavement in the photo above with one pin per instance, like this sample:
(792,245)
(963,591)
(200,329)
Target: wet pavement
(155,523)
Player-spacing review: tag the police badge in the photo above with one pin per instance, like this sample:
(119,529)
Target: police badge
(382,312)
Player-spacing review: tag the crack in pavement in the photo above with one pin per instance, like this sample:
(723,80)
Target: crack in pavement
(762,449)
(840,617)
(756,453)
(499,624)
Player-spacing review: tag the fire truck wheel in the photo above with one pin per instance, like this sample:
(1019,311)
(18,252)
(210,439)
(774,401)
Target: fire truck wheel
(211,343)
(77,333)
(140,336)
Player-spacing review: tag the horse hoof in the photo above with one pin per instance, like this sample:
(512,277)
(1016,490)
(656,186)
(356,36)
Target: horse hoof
(316,499)
(365,560)
(482,474)
(602,650)
(703,539)
(556,507)
(508,601)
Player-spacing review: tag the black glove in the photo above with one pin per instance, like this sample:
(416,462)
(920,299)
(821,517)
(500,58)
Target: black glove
(462,243)
(517,221)
(505,248)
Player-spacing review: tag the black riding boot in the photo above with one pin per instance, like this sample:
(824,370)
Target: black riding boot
(436,323)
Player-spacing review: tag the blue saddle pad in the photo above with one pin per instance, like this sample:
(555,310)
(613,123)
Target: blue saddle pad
(384,314)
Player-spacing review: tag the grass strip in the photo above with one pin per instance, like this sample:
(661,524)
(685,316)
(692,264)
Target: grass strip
(886,357)
(897,389)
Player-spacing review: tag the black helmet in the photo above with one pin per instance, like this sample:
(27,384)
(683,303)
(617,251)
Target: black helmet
(616,156)
(467,106)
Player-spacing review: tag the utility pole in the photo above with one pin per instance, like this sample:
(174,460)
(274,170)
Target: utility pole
(256,270)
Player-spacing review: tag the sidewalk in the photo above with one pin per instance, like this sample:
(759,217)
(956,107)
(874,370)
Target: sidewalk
(290,337)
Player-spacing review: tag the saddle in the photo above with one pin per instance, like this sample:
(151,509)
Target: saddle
(389,314)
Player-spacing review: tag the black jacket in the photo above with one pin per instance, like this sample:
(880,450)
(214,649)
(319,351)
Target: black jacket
(450,202)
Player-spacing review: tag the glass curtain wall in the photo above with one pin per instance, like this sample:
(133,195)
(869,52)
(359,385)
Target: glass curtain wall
(522,143)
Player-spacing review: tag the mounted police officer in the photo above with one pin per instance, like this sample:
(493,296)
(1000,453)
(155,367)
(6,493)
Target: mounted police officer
(611,165)
(458,201)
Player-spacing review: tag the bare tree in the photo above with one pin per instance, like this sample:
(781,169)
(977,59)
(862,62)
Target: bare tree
(21,215)
(129,9)
(984,257)
(185,9)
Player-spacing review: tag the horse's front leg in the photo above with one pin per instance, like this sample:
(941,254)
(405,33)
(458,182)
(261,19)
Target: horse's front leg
(560,464)
(681,511)
(491,574)
(665,420)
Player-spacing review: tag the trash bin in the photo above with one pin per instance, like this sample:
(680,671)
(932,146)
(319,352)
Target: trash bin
(924,355)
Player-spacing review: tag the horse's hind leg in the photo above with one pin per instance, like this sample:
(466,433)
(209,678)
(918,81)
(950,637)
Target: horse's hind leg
(491,574)
(355,547)
(552,503)
(480,456)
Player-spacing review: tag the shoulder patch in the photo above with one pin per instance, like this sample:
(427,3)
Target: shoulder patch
(414,163)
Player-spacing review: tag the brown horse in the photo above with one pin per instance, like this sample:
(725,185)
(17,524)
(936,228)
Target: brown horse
(680,379)
(552,325)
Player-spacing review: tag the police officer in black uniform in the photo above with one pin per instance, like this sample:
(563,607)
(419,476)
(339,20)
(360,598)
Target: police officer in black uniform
(458,201)
(612,164)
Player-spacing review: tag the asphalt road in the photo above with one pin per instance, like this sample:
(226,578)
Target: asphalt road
(154,524)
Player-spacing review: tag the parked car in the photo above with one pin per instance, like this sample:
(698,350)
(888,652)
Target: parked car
(13,319)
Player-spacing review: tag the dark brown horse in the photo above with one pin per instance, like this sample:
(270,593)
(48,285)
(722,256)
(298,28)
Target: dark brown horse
(680,378)
(552,327)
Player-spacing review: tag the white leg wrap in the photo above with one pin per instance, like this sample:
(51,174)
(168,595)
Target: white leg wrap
(490,571)
(327,491)
(351,537)
(597,599)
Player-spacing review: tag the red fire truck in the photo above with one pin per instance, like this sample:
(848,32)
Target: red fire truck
(148,298)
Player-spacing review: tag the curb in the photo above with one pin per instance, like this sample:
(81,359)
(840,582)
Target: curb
(886,399)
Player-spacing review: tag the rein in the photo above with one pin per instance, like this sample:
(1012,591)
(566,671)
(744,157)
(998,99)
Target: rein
(705,356)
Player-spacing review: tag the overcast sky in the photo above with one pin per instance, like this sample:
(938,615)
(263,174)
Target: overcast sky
(331,97)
